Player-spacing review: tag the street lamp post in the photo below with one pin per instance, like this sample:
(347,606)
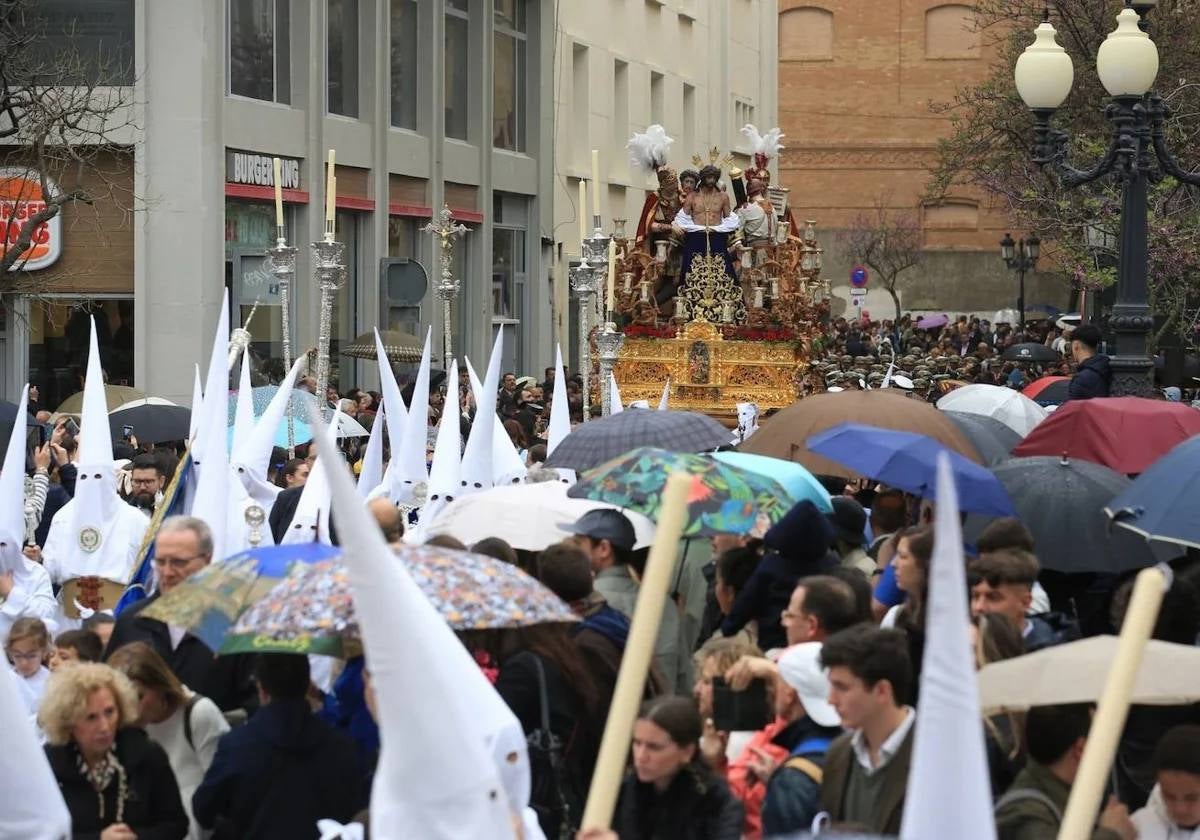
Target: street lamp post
(1021,257)
(1127,63)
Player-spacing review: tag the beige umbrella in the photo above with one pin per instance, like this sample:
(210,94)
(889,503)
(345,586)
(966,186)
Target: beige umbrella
(114,395)
(399,346)
(1075,673)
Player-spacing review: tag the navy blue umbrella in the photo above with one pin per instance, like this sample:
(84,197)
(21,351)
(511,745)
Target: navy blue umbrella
(1161,503)
(908,462)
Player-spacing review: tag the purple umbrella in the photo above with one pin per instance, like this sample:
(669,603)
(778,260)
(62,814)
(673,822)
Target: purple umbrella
(932,322)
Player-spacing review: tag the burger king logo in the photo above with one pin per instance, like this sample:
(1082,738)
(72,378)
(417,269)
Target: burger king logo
(20,200)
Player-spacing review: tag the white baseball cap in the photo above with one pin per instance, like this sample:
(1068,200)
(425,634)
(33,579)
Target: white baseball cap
(800,667)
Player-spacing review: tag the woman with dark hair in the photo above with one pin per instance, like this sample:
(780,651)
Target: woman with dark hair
(671,793)
(914,550)
(542,677)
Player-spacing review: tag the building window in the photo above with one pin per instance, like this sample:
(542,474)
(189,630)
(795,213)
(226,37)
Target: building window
(344,323)
(508,76)
(656,98)
(77,41)
(951,32)
(343,57)
(806,34)
(457,69)
(510,214)
(743,112)
(404,63)
(59,335)
(689,117)
(260,50)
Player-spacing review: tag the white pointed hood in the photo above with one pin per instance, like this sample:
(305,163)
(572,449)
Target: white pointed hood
(12,494)
(243,415)
(560,415)
(477,457)
(197,403)
(948,749)
(371,474)
(614,404)
(435,777)
(507,465)
(665,399)
(310,522)
(397,412)
(33,804)
(445,475)
(96,498)
(251,455)
(210,453)
(409,469)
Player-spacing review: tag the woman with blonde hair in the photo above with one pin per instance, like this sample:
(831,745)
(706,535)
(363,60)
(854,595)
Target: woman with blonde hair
(185,724)
(117,783)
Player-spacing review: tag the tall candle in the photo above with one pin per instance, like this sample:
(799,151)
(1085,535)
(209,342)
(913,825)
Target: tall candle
(612,275)
(583,225)
(278,193)
(330,189)
(595,182)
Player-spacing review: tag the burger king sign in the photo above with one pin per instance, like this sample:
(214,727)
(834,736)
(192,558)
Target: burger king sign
(20,200)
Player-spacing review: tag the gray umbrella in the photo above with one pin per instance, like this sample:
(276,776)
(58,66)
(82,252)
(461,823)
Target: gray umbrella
(1062,503)
(601,440)
(993,439)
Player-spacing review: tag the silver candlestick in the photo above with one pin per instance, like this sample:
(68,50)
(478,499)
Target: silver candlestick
(608,342)
(595,249)
(283,265)
(448,285)
(239,338)
(583,283)
(329,268)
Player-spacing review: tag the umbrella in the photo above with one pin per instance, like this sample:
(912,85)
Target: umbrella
(784,434)
(722,499)
(1006,316)
(1126,434)
(908,462)
(153,420)
(1030,351)
(1075,672)
(209,602)
(301,403)
(992,438)
(1160,504)
(1013,409)
(312,610)
(601,440)
(799,482)
(1048,390)
(526,516)
(114,395)
(8,419)
(932,322)
(399,346)
(1062,504)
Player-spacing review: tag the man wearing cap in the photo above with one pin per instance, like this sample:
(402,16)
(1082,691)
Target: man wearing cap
(607,537)
(849,521)
(801,698)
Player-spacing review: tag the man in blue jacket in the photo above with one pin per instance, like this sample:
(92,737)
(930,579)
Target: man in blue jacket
(1093,378)
(284,769)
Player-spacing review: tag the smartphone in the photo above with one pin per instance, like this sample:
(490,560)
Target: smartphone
(127,431)
(72,427)
(739,711)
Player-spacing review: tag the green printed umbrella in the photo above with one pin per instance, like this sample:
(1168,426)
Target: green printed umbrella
(723,499)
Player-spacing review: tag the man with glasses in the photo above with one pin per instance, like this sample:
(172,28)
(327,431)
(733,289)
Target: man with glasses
(182,547)
(147,481)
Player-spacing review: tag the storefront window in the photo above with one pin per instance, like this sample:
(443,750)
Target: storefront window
(404,63)
(509,269)
(508,77)
(260,50)
(343,57)
(342,373)
(59,334)
(249,232)
(458,65)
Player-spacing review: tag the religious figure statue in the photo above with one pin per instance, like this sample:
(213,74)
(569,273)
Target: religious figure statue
(707,278)
(656,235)
(766,147)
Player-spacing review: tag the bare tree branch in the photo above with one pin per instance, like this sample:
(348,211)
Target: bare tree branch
(887,242)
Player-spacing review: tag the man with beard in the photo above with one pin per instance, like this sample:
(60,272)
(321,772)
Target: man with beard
(147,481)
(709,222)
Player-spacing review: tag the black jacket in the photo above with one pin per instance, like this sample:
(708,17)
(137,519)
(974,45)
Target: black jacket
(152,808)
(277,775)
(283,511)
(226,680)
(1092,379)
(696,806)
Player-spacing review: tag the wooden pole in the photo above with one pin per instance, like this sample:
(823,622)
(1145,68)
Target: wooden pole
(1085,801)
(635,664)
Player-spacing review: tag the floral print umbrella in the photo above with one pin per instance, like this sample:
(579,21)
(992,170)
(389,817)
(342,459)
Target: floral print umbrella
(723,499)
(312,611)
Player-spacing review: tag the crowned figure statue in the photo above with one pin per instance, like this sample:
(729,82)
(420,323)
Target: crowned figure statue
(711,230)
(656,233)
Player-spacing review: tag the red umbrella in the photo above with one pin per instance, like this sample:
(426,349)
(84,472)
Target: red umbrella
(1125,434)
(1049,390)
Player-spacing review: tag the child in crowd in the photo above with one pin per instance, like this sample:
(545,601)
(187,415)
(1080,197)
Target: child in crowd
(1173,812)
(76,646)
(28,649)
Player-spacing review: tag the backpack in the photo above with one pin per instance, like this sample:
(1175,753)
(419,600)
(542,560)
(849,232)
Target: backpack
(559,808)
(1027,794)
(809,746)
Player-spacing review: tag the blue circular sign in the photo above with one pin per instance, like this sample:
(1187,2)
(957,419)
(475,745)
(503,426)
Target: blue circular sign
(858,277)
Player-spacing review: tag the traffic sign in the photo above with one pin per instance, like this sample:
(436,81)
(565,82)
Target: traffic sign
(859,277)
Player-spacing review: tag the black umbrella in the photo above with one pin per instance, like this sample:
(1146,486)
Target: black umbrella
(8,419)
(601,440)
(151,421)
(993,439)
(1031,351)
(1062,503)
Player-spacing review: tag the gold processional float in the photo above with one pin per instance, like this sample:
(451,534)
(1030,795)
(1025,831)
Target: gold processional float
(721,296)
